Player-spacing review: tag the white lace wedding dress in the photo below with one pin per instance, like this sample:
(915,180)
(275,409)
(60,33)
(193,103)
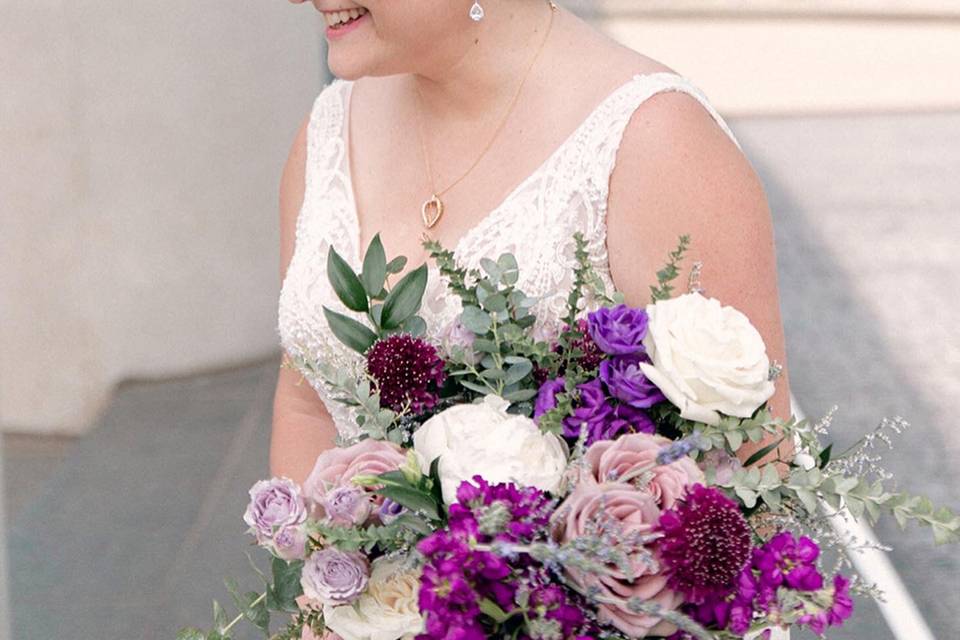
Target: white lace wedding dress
(535,222)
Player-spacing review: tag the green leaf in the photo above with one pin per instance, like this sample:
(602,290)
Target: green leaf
(345,282)
(825,456)
(518,372)
(257,614)
(762,453)
(404,299)
(491,267)
(748,497)
(492,374)
(350,332)
(282,594)
(735,439)
(415,326)
(374,273)
(219,616)
(492,609)
(473,386)
(495,303)
(412,499)
(485,345)
(476,320)
(397,264)
(807,498)
(520,395)
(191,633)
(510,271)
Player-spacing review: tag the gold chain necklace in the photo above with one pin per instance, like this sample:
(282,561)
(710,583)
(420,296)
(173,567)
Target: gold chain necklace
(432,208)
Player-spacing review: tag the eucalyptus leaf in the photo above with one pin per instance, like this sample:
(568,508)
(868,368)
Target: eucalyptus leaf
(476,320)
(374,273)
(219,616)
(191,634)
(404,299)
(350,332)
(495,303)
(518,372)
(509,269)
(345,282)
(520,395)
(415,326)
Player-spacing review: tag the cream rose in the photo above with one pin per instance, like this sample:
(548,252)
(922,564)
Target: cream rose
(387,611)
(484,439)
(706,358)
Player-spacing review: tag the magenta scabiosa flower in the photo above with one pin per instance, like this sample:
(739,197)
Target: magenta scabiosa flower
(407,370)
(705,544)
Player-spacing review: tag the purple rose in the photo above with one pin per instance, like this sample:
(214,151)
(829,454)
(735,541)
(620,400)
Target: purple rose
(627,419)
(627,383)
(593,409)
(275,504)
(334,577)
(547,396)
(347,505)
(618,330)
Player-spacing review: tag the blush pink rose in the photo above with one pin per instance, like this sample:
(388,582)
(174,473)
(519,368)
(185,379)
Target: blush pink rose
(336,469)
(612,460)
(635,512)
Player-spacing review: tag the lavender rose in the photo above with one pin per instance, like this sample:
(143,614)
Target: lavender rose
(275,505)
(618,330)
(334,577)
(627,382)
(347,505)
(290,543)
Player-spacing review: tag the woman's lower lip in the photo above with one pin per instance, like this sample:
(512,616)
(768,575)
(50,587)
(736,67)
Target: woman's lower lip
(344,30)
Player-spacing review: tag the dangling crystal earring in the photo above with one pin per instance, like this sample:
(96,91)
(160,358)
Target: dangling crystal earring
(476,12)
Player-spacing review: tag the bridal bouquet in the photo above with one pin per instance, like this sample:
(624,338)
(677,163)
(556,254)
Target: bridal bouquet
(589,481)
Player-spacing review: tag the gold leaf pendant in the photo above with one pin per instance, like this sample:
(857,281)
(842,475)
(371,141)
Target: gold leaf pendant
(431,211)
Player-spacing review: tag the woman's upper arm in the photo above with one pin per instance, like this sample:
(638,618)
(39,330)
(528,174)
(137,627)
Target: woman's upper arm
(677,173)
(302,426)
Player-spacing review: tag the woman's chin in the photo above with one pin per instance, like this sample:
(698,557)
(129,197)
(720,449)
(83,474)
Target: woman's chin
(346,68)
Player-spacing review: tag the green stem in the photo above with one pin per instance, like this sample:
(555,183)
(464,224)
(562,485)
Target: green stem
(240,616)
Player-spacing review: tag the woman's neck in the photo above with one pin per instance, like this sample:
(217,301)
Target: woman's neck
(487,73)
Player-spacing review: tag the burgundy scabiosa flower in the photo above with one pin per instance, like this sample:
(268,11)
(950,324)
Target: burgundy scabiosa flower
(705,544)
(406,369)
(592,354)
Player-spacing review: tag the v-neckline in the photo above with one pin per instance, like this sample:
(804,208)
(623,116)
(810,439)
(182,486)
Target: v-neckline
(487,219)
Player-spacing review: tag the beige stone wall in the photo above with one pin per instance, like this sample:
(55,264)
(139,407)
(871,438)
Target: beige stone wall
(777,57)
(140,150)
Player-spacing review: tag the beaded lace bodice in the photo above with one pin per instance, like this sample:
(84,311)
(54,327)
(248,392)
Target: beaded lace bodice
(535,222)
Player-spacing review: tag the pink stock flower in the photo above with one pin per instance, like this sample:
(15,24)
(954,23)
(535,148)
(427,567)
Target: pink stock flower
(336,469)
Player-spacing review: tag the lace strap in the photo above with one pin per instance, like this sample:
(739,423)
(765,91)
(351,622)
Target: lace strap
(622,107)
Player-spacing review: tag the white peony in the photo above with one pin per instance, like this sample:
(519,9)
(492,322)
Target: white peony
(706,358)
(483,439)
(386,611)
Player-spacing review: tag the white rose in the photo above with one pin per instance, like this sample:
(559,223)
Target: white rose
(483,439)
(706,358)
(386,611)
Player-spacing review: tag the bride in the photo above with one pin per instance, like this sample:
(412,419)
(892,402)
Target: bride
(494,126)
(508,125)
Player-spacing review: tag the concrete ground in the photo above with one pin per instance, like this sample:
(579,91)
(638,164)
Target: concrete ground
(126,533)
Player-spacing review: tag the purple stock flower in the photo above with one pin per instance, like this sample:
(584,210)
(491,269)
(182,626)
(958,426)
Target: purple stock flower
(788,560)
(334,577)
(501,511)
(618,330)
(840,608)
(627,383)
(275,504)
(547,396)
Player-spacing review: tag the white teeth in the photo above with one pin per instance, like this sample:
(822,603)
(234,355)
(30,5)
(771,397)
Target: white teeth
(335,18)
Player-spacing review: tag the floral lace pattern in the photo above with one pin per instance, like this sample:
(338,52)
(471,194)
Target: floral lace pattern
(535,222)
